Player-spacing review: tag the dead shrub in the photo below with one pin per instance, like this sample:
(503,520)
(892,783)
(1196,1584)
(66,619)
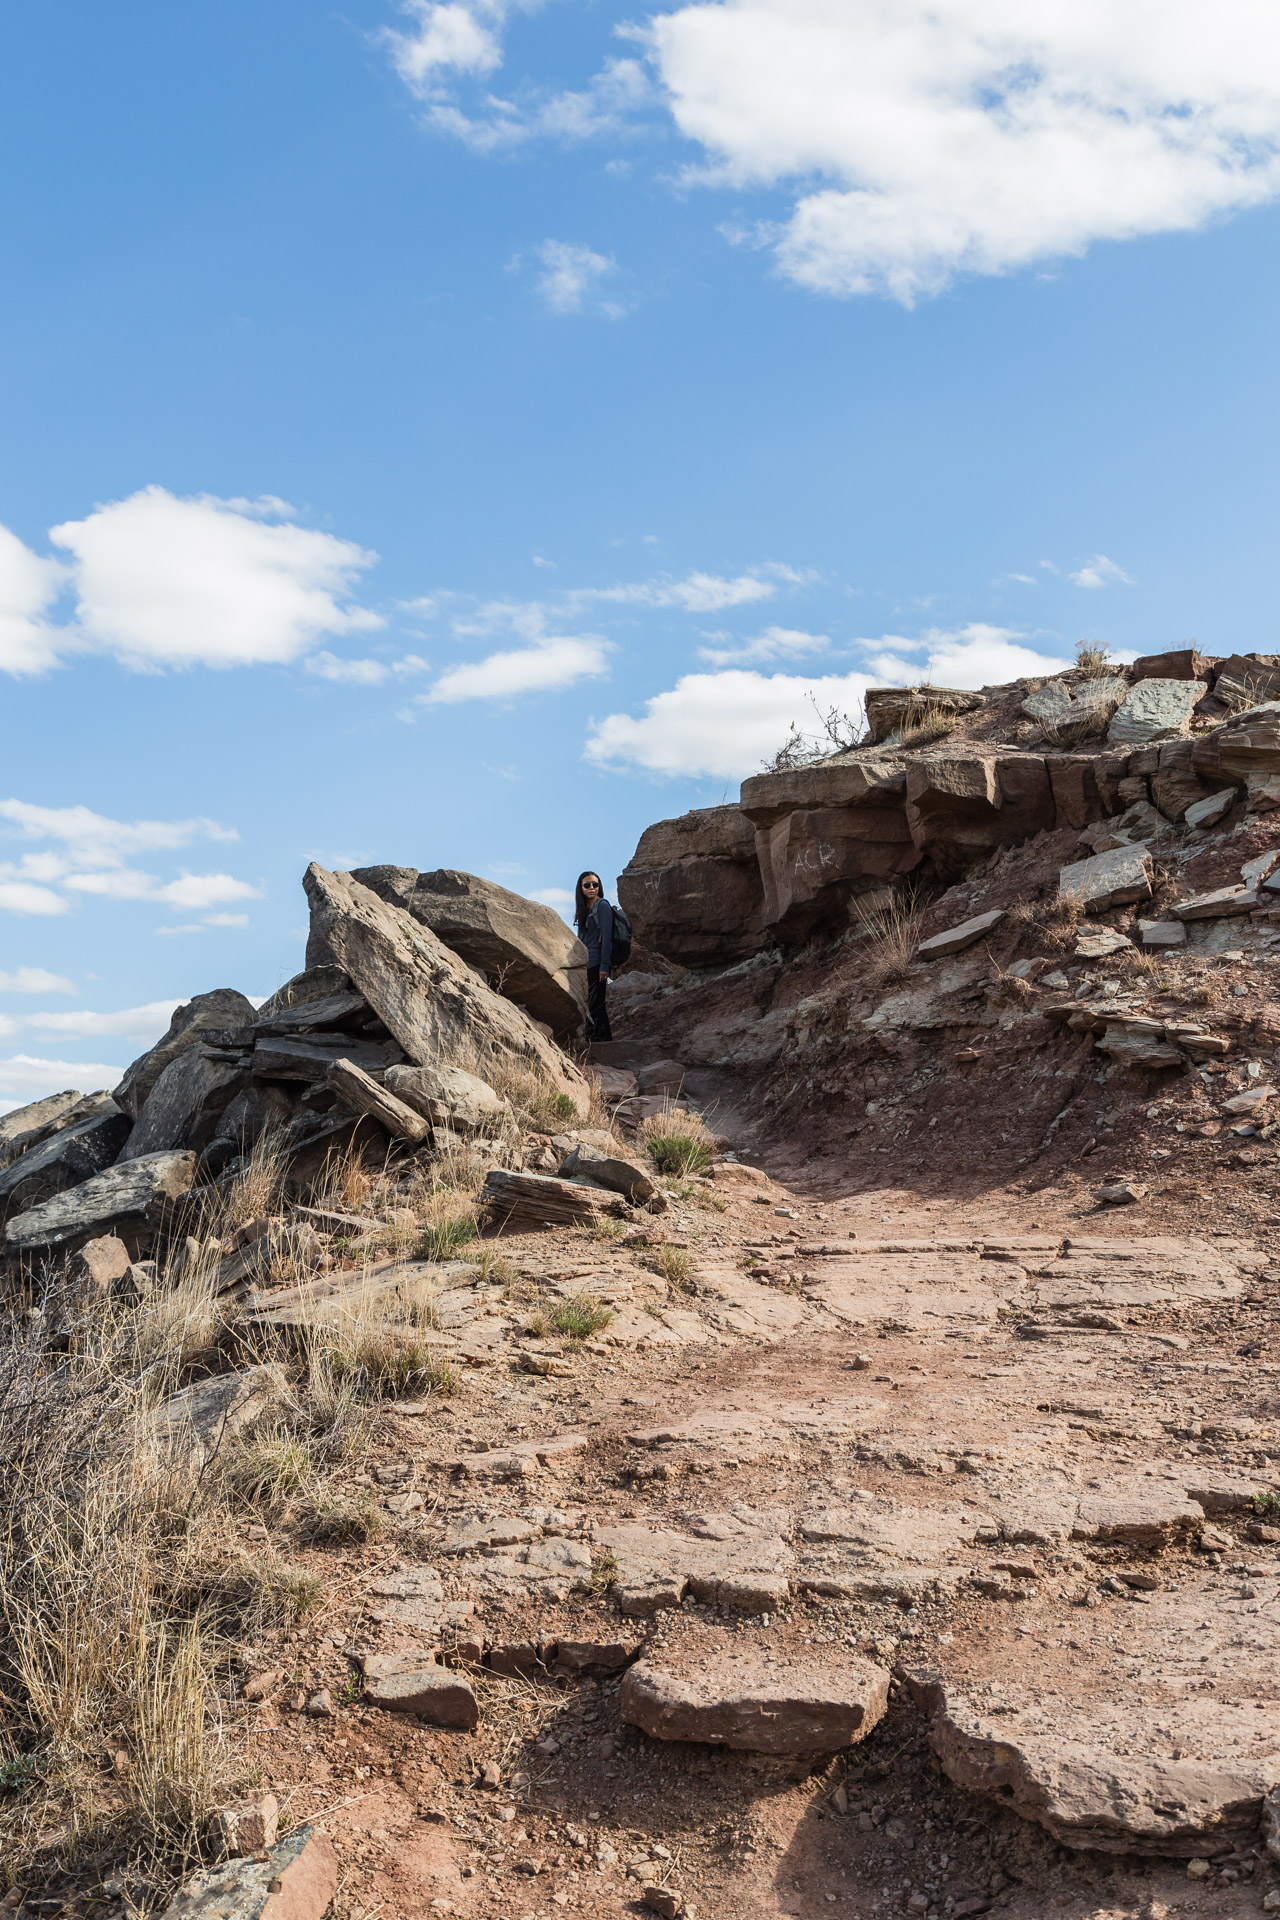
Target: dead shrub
(1092,659)
(893,937)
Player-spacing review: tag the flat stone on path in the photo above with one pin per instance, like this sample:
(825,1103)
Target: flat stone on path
(956,939)
(1149,1729)
(758,1704)
(436,1694)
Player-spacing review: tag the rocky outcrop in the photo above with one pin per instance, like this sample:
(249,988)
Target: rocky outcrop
(436,1008)
(692,888)
(523,949)
(922,802)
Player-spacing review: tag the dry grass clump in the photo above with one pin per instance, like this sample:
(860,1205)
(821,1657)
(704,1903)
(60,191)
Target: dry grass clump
(1091,659)
(675,1264)
(539,1105)
(99,1651)
(1054,922)
(892,938)
(581,1316)
(678,1141)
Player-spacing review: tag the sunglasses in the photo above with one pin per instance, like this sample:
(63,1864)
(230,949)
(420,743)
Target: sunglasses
(591,886)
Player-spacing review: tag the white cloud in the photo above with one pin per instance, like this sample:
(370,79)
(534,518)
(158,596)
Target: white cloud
(552,896)
(22,896)
(28,587)
(162,581)
(364,673)
(974,656)
(226,920)
(721,724)
(1099,571)
(35,980)
(145,1024)
(553,663)
(572,279)
(775,643)
(24,1078)
(94,839)
(457,40)
(922,139)
(696,593)
(90,858)
(448,38)
(950,136)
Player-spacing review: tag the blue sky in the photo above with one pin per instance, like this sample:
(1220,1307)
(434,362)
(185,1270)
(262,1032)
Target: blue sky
(461,434)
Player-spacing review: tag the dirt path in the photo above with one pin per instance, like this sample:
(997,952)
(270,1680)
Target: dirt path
(1010,1464)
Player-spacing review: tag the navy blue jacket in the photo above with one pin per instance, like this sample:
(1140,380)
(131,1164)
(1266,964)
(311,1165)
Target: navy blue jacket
(597,936)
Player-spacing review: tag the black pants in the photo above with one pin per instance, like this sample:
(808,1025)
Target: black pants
(597,1011)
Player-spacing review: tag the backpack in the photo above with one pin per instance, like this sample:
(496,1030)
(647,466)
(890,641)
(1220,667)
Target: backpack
(622,937)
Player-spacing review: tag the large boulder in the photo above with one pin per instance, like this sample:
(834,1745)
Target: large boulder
(524,950)
(961,802)
(222,1009)
(64,1159)
(131,1199)
(448,1097)
(692,889)
(1244,752)
(824,834)
(186,1103)
(437,1009)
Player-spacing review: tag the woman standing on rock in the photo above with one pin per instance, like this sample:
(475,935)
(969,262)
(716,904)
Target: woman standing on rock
(593,917)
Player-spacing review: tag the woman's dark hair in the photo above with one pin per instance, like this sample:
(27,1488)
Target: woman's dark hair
(581,905)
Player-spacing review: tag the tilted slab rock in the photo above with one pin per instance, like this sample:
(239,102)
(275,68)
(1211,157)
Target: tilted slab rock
(758,1705)
(608,1170)
(522,1202)
(1176,1760)
(25,1127)
(440,1012)
(524,949)
(1108,879)
(359,1094)
(222,1008)
(956,939)
(346,1008)
(1207,813)
(297,1880)
(133,1194)
(1222,904)
(1162,933)
(68,1157)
